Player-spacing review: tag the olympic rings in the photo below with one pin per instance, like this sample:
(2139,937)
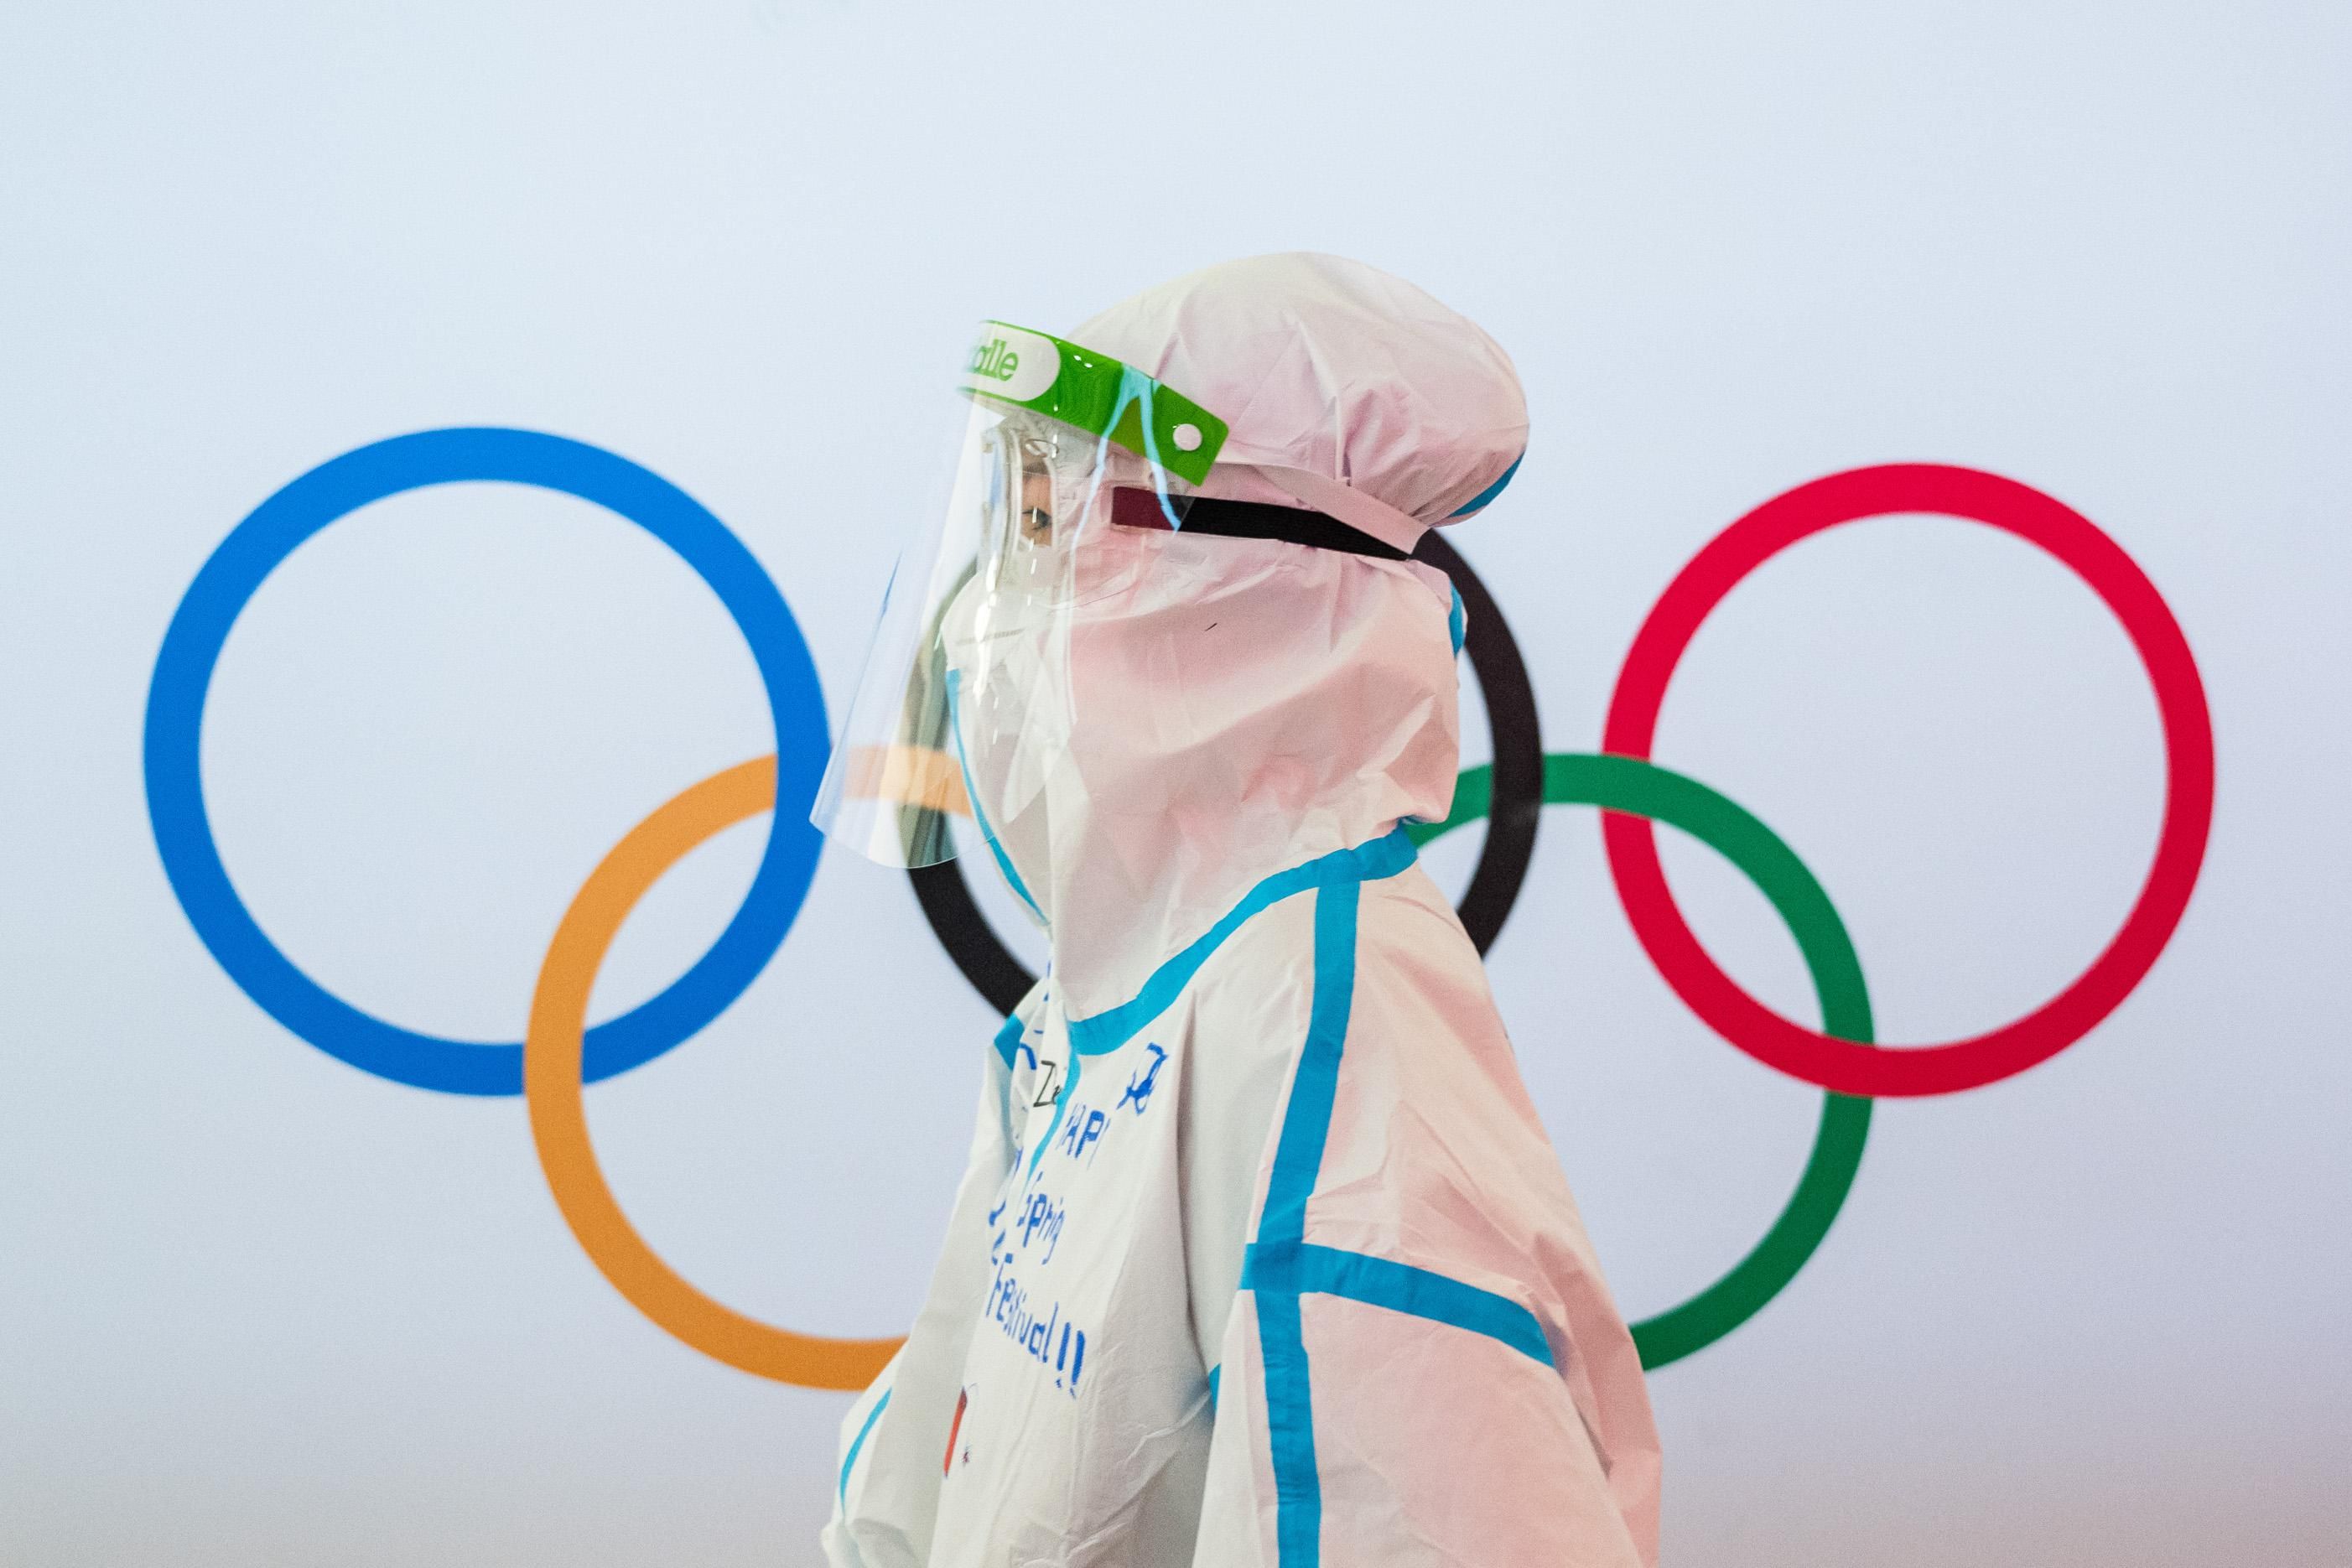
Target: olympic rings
(2078,543)
(1645,790)
(1517,770)
(1516,782)
(273,530)
(558,1055)
(559,1120)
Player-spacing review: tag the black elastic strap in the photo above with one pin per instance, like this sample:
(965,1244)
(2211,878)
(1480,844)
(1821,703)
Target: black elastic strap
(1132,507)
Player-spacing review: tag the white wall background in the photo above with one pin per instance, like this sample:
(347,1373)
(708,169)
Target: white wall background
(256,1308)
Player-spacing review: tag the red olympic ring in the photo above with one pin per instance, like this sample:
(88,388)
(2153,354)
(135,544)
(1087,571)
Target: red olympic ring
(1843,1066)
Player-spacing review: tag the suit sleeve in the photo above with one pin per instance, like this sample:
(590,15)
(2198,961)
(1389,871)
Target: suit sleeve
(1422,1363)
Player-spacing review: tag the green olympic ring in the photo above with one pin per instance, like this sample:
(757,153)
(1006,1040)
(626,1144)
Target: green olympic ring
(1644,789)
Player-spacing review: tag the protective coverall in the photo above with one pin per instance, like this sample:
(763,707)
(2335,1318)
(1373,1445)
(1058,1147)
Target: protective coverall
(1262,1258)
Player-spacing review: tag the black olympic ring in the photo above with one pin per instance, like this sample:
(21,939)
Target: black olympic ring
(1517,811)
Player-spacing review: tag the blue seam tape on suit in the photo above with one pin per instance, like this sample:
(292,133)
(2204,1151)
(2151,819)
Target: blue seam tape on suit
(1302,1270)
(1315,1082)
(1108,1030)
(1008,1039)
(1113,1027)
(1290,1433)
(1297,1158)
(849,1460)
(1281,1266)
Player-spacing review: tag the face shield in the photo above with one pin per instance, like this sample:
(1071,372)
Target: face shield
(966,707)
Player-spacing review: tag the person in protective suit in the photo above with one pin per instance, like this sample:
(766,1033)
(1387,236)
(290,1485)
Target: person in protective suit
(1263,1258)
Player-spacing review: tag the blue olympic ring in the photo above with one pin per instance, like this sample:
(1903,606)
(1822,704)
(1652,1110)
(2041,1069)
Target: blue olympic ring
(191,647)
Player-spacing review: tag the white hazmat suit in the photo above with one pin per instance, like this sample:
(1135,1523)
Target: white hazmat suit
(1263,1258)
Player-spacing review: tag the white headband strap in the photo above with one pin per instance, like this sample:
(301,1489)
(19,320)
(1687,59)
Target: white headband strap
(1350,506)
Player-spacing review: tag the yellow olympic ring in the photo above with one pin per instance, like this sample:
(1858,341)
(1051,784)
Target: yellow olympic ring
(559,1120)
(908,776)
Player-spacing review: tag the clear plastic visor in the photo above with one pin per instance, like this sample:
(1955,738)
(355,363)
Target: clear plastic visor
(977,613)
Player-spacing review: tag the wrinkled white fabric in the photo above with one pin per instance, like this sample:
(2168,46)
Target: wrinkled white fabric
(1327,368)
(1260,1131)
(1211,710)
